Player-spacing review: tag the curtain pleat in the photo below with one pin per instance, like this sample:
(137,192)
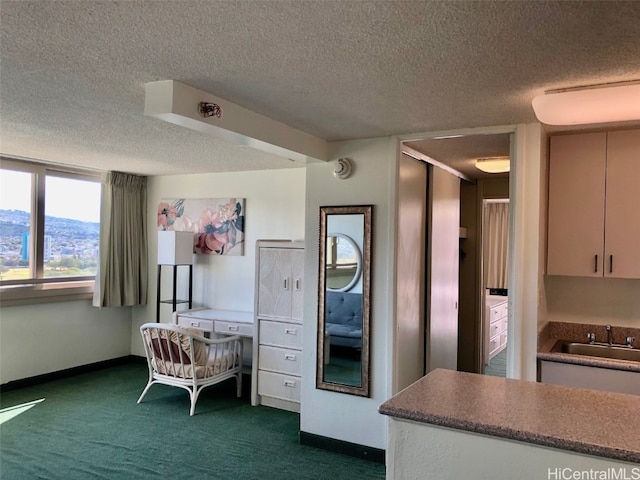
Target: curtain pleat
(496,244)
(123,271)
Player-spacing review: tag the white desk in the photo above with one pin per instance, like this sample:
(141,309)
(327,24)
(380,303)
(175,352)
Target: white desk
(229,322)
(221,322)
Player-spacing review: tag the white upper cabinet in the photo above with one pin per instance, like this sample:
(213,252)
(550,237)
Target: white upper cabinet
(622,222)
(594,205)
(280,291)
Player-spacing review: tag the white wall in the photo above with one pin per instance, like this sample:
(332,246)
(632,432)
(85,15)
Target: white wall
(274,209)
(45,338)
(330,414)
(526,288)
(595,301)
(419,451)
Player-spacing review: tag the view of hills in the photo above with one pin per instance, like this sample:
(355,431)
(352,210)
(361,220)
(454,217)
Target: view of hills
(63,237)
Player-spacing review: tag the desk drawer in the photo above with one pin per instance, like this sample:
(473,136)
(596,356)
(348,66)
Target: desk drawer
(280,386)
(280,360)
(233,328)
(206,325)
(281,334)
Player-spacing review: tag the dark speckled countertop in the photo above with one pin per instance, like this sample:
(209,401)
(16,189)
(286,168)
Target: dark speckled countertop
(574,419)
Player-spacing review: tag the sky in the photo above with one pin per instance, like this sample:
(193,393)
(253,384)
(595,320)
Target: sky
(65,198)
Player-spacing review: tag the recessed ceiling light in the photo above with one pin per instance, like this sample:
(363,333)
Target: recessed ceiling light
(493,164)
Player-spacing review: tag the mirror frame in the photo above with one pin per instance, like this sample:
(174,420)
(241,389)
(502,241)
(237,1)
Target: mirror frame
(358,254)
(321,384)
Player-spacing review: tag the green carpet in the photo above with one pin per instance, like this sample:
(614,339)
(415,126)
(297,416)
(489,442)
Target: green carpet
(343,370)
(90,427)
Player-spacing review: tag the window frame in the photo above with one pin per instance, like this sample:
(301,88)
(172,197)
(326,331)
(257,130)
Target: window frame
(37,288)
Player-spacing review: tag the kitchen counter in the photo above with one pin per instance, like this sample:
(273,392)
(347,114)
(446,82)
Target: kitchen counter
(577,420)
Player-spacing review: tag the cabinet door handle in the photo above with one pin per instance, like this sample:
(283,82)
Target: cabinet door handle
(233,328)
(195,324)
(290,357)
(596,265)
(289,383)
(290,331)
(286,283)
(298,282)
(610,263)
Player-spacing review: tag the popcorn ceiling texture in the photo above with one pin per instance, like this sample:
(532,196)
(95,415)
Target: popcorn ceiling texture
(73,73)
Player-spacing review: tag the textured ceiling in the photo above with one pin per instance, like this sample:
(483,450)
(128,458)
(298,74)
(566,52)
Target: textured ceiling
(73,72)
(461,153)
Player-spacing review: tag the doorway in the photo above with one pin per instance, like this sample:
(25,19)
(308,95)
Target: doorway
(458,155)
(494,291)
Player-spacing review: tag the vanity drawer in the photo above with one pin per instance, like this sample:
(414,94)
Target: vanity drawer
(202,324)
(280,386)
(233,328)
(497,311)
(281,360)
(280,334)
(495,328)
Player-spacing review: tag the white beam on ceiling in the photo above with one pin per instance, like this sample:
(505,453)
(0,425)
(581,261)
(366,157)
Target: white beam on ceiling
(177,103)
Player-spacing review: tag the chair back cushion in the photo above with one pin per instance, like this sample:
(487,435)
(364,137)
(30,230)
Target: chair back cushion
(178,347)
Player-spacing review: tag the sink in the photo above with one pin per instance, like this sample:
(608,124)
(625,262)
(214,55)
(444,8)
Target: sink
(598,350)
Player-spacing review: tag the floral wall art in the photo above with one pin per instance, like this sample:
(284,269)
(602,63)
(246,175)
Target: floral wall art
(217,223)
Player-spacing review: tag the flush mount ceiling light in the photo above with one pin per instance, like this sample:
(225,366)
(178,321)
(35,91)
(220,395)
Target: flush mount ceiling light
(617,102)
(493,164)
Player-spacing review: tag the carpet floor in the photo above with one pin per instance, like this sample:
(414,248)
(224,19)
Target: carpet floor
(89,427)
(497,365)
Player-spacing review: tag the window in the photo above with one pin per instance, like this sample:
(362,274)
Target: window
(49,230)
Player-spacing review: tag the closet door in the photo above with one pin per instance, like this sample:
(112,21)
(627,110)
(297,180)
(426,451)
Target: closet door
(275,283)
(576,205)
(622,224)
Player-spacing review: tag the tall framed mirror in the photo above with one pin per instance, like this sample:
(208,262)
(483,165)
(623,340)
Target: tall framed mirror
(344,302)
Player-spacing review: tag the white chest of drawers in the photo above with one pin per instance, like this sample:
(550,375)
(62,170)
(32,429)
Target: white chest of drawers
(497,313)
(278,350)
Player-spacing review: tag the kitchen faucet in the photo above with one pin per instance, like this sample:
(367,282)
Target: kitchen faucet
(609,335)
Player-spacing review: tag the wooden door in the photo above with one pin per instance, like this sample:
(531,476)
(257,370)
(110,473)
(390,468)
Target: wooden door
(622,224)
(576,205)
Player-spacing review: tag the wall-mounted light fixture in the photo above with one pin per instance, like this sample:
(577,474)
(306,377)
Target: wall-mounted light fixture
(493,164)
(605,103)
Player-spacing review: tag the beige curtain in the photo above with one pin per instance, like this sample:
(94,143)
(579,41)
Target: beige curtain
(123,270)
(496,244)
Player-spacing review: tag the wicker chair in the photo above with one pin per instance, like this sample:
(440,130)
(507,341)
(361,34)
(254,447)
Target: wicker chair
(182,357)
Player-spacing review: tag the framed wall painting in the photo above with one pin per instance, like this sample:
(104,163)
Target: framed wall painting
(217,223)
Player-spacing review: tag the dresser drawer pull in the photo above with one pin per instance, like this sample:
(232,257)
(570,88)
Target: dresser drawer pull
(288,356)
(233,328)
(289,383)
(195,324)
(290,331)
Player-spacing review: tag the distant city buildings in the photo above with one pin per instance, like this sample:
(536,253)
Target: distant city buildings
(25,247)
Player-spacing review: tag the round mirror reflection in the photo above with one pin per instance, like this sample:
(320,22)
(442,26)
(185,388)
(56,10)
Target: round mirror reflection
(343,263)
